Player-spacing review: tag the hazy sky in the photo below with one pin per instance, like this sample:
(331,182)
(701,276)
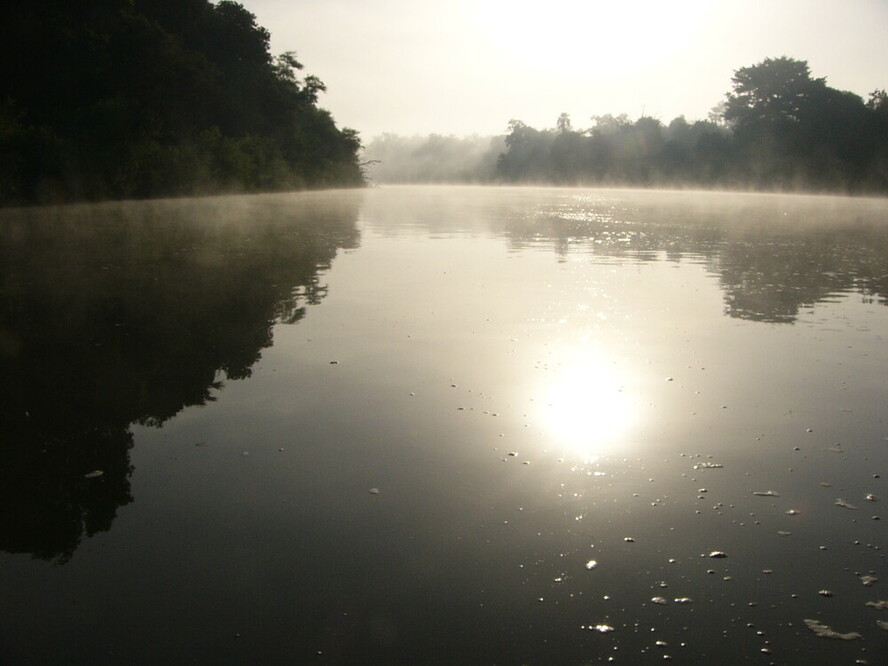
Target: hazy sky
(469,66)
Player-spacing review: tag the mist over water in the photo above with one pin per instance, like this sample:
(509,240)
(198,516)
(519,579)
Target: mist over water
(779,129)
(534,425)
(445,425)
(391,158)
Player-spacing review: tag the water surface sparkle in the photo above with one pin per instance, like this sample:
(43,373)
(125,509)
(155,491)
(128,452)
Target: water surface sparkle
(444,425)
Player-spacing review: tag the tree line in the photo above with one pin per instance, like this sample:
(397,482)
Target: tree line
(139,98)
(777,129)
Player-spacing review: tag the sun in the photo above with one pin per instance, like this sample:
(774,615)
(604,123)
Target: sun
(573,37)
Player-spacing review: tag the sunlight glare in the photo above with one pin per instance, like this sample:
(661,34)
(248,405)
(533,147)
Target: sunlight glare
(575,37)
(585,410)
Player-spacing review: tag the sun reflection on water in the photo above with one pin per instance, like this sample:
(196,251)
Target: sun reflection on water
(585,410)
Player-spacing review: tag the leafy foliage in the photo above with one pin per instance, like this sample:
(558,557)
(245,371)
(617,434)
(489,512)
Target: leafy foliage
(614,150)
(137,98)
(778,128)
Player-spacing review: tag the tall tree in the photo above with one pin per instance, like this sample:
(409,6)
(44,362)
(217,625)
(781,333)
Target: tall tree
(772,92)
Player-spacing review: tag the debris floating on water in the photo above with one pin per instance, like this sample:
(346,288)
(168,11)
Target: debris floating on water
(600,628)
(94,474)
(871,498)
(591,564)
(766,493)
(659,600)
(846,504)
(868,580)
(717,554)
(202,444)
(825,593)
(878,605)
(882,624)
(793,512)
(374,491)
(825,631)
(683,600)
(708,465)
(629,539)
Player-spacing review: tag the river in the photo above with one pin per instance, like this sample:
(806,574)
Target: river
(449,425)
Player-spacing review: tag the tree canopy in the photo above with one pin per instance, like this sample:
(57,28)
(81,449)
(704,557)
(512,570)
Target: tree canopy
(778,128)
(136,98)
(775,91)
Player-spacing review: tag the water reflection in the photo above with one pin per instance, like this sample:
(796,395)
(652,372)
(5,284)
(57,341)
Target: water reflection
(774,255)
(496,419)
(585,410)
(118,314)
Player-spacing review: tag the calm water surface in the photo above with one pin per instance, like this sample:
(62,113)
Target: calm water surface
(444,425)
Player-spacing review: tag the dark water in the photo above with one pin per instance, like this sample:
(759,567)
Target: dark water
(400,425)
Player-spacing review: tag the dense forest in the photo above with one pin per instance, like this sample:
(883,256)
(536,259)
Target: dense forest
(138,98)
(141,98)
(777,129)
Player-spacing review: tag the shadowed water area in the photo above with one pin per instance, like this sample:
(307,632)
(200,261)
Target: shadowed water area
(445,425)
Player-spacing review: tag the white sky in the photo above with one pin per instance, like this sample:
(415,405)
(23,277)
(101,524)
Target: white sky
(469,66)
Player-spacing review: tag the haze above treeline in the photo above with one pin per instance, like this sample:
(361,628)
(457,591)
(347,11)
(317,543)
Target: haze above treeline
(116,99)
(778,128)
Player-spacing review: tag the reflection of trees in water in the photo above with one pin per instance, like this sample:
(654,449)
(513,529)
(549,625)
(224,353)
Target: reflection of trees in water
(772,258)
(771,281)
(773,254)
(127,313)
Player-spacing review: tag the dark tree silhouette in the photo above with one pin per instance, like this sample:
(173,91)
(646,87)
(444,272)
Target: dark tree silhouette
(778,128)
(770,94)
(137,98)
